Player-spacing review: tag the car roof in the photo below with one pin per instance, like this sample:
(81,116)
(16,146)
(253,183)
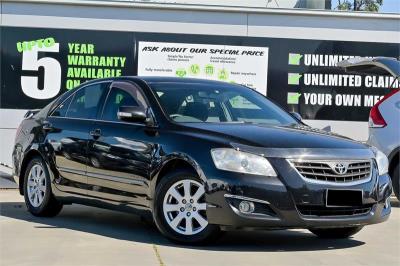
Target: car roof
(158,79)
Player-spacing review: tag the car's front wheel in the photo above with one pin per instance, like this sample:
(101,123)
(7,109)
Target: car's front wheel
(180,209)
(37,190)
(344,232)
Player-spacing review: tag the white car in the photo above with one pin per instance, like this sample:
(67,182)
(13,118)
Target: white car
(384,117)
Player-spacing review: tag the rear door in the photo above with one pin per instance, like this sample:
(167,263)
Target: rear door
(69,129)
(120,153)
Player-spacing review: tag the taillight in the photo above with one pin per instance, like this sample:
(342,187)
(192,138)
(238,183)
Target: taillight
(375,116)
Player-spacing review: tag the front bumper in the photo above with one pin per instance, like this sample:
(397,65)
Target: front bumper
(16,179)
(279,200)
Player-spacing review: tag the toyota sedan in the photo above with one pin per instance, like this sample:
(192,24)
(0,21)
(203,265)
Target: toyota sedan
(196,157)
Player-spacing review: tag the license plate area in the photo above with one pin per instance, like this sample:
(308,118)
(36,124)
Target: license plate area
(343,198)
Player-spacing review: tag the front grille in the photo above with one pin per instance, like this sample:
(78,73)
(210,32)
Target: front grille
(324,171)
(313,210)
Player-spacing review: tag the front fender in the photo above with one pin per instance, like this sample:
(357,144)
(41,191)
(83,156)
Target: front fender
(385,187)
(166,160)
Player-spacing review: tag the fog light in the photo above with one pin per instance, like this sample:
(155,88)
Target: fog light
(246,206)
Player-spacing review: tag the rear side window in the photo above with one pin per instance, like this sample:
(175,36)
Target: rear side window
(87,101)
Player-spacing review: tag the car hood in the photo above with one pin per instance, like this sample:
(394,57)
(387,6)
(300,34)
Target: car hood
(267,136)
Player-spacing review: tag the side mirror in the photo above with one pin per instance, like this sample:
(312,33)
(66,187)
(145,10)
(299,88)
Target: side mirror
(132,114)
(296,115)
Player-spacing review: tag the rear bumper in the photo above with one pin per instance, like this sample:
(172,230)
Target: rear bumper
(277,201)
(383,139)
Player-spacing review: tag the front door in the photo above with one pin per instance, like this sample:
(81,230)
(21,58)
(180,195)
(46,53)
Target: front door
(120,153)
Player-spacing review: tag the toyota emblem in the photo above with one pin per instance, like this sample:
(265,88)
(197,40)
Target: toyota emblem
(340,168)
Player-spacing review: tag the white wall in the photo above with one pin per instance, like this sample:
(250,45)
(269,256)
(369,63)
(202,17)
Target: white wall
(9,122)
(250,3)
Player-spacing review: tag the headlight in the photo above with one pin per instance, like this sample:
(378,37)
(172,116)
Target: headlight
(381,160)
(241,162)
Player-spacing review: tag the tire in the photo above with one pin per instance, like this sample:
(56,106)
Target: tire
(37,178)
(396,181)
(344,232)
(165,219)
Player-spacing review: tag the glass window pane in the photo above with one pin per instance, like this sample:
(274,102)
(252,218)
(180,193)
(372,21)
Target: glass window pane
(62,109)
(87,101)
(117,98)
(218,104)
(239,102)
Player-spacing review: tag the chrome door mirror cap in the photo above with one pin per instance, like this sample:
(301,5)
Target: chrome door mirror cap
(132,114)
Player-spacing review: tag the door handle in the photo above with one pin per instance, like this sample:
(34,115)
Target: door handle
(95,133)
(47,126)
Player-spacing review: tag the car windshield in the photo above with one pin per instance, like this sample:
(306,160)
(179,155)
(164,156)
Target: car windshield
(211,103)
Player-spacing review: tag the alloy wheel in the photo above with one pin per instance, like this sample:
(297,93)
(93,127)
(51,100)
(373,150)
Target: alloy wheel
(184,207)
(36,185)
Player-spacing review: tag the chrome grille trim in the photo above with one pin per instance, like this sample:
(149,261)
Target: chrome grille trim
(321,211)
(320,171)
(306,174)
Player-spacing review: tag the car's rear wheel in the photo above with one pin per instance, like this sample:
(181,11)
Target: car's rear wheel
(37,190)
(344,232)
(396,181)
(180,209)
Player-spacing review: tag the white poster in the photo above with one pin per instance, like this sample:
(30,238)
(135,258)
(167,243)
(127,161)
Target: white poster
(236,64)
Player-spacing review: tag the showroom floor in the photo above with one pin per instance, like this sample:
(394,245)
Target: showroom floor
(89,236)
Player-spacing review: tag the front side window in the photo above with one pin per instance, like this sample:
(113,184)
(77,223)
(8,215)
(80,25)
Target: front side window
(122,94)
(225,103)
(115,100)
(86,102)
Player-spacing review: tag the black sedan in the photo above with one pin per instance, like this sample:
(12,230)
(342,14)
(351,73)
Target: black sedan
(197,157)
